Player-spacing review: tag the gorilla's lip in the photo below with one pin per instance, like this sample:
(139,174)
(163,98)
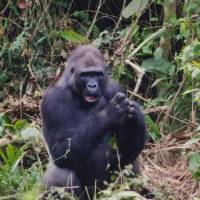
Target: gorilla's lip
(91,98)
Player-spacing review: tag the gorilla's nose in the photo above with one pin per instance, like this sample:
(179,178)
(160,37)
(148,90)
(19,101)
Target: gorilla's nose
(92,86)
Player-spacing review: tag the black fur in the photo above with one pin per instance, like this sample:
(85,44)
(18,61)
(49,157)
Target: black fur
(77,132)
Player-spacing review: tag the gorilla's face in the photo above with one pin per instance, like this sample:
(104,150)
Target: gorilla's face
(90,82)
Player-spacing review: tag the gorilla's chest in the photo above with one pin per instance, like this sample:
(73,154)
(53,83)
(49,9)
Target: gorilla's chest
(83,113)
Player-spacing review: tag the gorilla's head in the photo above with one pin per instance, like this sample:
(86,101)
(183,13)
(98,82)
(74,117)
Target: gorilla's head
(86,74)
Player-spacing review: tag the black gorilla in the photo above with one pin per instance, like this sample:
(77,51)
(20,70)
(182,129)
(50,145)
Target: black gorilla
(80,113)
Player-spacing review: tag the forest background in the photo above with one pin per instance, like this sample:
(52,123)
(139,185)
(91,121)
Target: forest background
(152,48)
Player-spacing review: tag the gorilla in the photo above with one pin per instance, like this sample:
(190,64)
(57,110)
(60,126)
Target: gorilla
(80,113)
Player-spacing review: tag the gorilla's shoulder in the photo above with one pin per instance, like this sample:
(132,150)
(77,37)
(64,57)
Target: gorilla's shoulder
(55,93)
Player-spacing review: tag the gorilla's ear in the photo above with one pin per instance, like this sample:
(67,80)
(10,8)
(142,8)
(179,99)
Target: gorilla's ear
(69,67)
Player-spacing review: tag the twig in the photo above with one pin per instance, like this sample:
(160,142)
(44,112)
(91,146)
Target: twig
(94,19)
(129,34)
(140,73)
(120,18)
(5,8)
(156,109)
(32,74)
(175,118)
(3,18)
(151,37)
(12,196)
(20,95)
(166,117)
(169,12)
(69,8)
(40,20)
(8,139)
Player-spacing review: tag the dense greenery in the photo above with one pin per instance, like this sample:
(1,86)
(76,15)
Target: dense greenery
(156,40)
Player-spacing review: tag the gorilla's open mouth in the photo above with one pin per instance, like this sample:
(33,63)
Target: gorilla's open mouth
(91,98)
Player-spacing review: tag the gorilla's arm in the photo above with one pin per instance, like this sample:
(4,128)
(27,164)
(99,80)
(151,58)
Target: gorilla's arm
(69,143)
(131,135)
(130,132)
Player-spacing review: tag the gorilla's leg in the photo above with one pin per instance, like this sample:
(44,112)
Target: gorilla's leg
(58,177)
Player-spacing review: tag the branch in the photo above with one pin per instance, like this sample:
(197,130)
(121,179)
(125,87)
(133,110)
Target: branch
(8,139)
(95,18)
(151,37)
(156,109)
(140,73)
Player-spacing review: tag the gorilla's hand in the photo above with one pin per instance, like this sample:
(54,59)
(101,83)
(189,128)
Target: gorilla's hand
(133,110)
(117,108)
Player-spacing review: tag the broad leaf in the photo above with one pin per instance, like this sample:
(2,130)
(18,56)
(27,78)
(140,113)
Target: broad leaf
(194,166)
(157,65)
(152,128)
(135,6)
(71,36)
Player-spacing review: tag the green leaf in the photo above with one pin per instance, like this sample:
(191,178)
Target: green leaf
(10,152)
(147,49)
(158,53)
(157,65)
(190,91)
(3,156)
(135,6)
(152,128)
(159,80)
(4,119)
(184,31)
(194,166)
(20,123)
(71,36)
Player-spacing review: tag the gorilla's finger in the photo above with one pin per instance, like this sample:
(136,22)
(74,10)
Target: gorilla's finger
(131,110)
(131,103)
(126,102)
(119,97)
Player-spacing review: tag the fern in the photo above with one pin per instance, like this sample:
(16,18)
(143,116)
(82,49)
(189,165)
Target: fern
(18,44)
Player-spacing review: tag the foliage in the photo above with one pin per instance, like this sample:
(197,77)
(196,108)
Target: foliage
(194,165)
(71,36)
(134,7)
(35,41)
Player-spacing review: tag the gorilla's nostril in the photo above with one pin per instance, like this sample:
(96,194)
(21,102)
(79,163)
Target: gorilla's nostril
(92,86)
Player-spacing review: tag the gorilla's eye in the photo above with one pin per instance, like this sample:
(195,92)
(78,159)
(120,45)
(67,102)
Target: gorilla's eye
(72,70)
(100,76)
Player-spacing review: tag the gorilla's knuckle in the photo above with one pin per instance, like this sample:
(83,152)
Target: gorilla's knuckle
(120,96)
(126,101)
(131,110)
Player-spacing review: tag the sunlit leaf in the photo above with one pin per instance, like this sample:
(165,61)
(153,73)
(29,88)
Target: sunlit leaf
(157,65)
(152,128)
(20,123)
(194,166)
(71,36)
(135,6)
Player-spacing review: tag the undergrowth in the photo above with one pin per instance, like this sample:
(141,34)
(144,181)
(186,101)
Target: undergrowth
(152,49)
